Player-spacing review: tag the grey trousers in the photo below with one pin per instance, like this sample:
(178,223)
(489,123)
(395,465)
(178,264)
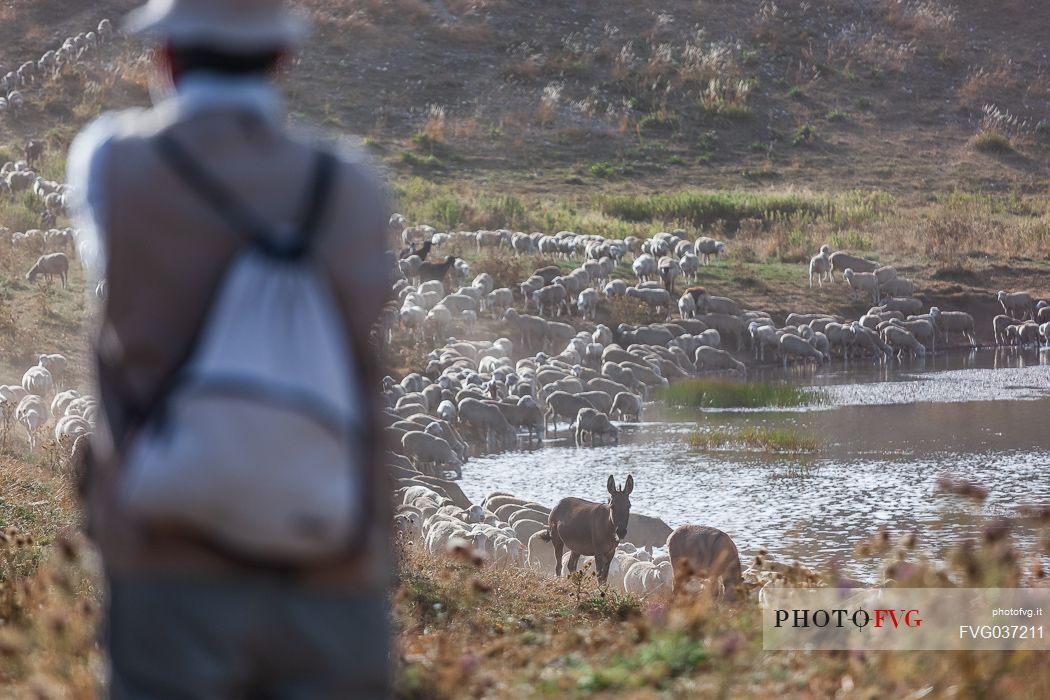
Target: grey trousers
(249,638)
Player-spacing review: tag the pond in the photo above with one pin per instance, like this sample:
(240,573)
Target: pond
(887,435)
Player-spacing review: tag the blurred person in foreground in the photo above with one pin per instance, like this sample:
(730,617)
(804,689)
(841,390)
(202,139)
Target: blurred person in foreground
(234,483)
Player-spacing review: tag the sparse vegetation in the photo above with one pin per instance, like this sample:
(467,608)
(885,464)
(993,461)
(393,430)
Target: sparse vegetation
(805,134)
(752,437)
(731,393)
(991,142)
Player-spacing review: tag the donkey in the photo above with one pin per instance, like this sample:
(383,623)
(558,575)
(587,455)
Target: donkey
(701,552)
(590,529)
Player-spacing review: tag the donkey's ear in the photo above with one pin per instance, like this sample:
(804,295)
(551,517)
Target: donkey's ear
(628,485)
(612,485)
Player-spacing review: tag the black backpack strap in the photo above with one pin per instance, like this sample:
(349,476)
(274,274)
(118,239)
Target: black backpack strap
(237,216)
(317,194)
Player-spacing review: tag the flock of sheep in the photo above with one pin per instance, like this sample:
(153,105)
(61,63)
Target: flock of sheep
(41,400)
(483,395)
(50,65)
(506,531)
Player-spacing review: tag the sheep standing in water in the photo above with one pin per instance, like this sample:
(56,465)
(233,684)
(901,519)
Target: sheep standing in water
(593,423)
(954,322)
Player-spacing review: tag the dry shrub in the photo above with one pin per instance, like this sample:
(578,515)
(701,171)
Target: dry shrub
(464,32)
(985,84)
(435,124)
(506,271)
(949,235)
(991,142)
(549,100)
(923,18)
(623,310)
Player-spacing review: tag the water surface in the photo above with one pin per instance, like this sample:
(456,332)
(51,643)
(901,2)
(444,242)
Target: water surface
(889,434)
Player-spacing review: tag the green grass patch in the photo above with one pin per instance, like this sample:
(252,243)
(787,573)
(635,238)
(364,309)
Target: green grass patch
(659,121)
(611,604)
(652,664)
(851,240)
(706,208)
(837,115)
(768,439)
(805,134)
(729,393)
(797,93)
(427,163)
(991,142)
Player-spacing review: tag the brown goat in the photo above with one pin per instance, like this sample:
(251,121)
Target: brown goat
(698,551)
(696,293)
(33,150)
(430,271)
(590,529)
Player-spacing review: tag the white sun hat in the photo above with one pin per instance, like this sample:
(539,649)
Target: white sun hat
(232,25)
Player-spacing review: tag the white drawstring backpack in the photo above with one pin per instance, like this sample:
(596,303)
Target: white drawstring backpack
(256,443)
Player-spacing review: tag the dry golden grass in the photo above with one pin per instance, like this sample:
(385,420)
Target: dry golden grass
(466,631)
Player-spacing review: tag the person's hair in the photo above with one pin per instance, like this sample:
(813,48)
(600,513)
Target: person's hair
(193,59)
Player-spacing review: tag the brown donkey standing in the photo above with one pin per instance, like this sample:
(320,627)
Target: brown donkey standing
(590,529)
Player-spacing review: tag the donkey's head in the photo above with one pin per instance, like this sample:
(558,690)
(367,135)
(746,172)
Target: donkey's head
(620,504)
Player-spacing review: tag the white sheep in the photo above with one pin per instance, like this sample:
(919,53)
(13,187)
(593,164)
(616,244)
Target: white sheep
(841,260)
(56,365)
(62,401)
(644,267)
(71,426)
(708,359)
(38,382)
(587,303)
(32,413)
(655,299)
(426,449)
(706,247)
(11,394)
(437,322)
(898,287)
(83,406)
(469,318)
(686,306)
(553,298)
(862,282)
(794,346)
(820,265)
(645,579)
(1017,304)
(615,288)
(50,265)
(954,322)
(901,340)
(595,424)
